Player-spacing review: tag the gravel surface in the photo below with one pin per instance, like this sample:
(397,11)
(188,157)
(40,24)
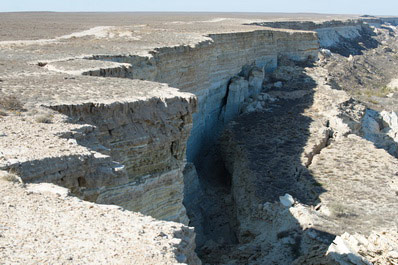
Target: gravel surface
(41,224)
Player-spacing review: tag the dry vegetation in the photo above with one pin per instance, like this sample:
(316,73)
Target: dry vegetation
(44,118)
(9,103)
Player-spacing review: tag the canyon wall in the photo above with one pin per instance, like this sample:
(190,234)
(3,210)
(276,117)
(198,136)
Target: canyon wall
(130,130)
(139,148)
(131,150)
(148,140)
(344,37)
(128,151)
(207,69)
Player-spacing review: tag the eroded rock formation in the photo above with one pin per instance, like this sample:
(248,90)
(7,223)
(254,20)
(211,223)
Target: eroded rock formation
(110,115)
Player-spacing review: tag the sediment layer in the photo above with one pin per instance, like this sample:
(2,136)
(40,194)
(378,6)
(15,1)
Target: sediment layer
(114,117)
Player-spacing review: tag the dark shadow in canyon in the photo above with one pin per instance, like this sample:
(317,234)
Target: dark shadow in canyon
(273,143)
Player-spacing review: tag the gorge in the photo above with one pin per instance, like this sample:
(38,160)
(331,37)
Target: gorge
(211,129)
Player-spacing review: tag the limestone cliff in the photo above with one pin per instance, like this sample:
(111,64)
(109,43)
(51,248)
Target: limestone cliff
(129,151)
(344,37)
(115,113)
(206,70)
(138,146)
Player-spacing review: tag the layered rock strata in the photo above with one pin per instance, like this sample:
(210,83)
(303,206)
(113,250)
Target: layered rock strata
(131,166)
(344,37)
(128,150)
(122,141)
(206,70)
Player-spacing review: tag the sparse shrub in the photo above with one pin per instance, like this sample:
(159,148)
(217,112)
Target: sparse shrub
(44,118)
(381,92)
(10,103)
(337,209)
(373,101)
(341,211)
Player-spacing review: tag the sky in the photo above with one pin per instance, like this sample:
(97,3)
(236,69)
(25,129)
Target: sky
(371,7)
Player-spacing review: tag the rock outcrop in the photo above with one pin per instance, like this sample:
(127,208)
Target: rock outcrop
(136,142)
(343,37)
(207,68)
(132,117)
(130,153)
(381,128)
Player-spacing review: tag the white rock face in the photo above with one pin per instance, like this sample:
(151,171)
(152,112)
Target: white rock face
(389,120)
(238,90)
(380,247)
(326,52)
(342,251)
(381,128)
(329,37)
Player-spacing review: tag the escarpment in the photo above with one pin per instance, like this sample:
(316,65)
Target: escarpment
(237,131)
(144,141)
(206,70)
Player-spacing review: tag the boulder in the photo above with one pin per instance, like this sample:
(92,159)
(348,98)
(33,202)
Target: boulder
(325,52)
(286,200)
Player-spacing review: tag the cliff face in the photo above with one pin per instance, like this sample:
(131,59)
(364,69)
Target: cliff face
(207,68)
(134,150)
(120,127)
(344,37)
(147,140)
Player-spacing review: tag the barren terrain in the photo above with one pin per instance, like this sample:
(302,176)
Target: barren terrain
(189,138)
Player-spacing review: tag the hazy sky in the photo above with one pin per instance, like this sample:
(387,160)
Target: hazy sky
(373,7)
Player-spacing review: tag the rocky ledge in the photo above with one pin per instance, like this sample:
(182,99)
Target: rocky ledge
(238,127)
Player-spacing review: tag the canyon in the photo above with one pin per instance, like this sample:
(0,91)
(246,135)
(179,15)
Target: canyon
(236,139)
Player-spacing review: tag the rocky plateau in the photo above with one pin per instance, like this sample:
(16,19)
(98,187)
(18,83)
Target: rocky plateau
(132,138)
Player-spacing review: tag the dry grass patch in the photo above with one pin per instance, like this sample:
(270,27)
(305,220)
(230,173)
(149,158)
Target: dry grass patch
(10,103)
(381,92)
(44,118)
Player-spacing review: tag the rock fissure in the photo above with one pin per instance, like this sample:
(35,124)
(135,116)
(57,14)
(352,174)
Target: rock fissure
(242,136)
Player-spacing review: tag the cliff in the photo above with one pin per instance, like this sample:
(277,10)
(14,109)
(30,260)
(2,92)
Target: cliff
(138,137)
(344,37)
(132,116)
(206,70)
